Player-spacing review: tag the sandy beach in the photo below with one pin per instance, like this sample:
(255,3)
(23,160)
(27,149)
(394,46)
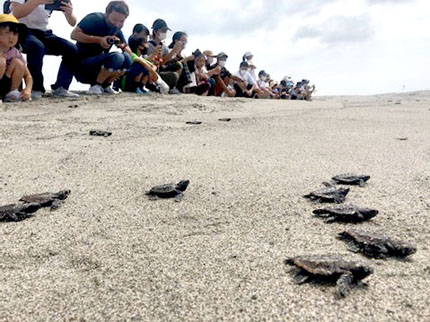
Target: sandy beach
(110,254)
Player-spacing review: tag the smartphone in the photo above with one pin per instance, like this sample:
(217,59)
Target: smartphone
(56,6)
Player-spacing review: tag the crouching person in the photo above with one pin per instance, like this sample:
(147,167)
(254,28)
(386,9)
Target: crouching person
(13,68)
(95,36)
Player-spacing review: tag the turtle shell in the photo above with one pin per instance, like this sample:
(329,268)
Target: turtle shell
(327,265)
(377,245)
(163,189)
(45,198)
(350,178)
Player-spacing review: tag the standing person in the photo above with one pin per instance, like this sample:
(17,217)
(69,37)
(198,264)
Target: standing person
(13,67)
(95,36)
(41,41)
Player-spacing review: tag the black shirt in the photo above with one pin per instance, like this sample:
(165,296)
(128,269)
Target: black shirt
(95,24)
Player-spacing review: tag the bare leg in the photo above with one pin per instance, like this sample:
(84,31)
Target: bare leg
(15,72)
(103,75)
(2,66)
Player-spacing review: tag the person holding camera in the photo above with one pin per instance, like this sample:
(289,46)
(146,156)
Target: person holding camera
(95,36)
(41,41)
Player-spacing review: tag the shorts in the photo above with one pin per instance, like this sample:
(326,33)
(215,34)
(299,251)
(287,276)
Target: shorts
(5,84)
(241,93)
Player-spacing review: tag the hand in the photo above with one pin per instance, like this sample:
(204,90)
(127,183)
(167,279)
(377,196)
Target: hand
(67,8)
(104,42)
(178,46)
(26,94)
(248,92)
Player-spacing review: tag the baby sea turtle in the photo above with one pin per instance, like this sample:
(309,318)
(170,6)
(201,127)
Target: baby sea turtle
(376,245)
(170,190)
(328,194)
(346,213)
(351,179)
(329,268)
(18,212)
(100,133)
(47,199)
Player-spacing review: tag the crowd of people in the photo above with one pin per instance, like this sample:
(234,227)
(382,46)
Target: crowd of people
(143,63)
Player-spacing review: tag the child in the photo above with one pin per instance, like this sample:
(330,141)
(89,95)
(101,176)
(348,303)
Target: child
(13,67)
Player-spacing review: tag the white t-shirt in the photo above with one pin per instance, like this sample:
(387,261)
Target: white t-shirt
(262,84)
(37,19)
(247,78)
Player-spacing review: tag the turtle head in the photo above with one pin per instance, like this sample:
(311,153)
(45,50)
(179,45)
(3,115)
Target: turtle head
(406,250)
(365,178)
(182,185)
(63,194)
(361,271)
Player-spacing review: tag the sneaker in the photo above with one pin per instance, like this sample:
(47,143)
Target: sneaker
(174,91)
(36,95)
(95,90)
(62,92)
(109,90)
(141,91)
(13,96)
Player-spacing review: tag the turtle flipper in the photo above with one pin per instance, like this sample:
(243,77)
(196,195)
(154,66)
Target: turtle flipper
(353,247)
(344,284)
(55,204)
(179,196)
(362,183)
(152,196)
(330,220)
(300,277)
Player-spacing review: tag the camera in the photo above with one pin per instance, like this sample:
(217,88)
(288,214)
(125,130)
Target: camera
(56,5)
(113,41)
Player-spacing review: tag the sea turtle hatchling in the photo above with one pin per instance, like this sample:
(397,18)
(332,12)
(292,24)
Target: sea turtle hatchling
(346,213)
(376,245)
(329,268)
(18,212)
(328,194)
(170,190)
(351,179)
(47,199)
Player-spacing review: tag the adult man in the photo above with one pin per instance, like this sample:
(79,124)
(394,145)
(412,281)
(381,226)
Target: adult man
(41,41)
(95,35)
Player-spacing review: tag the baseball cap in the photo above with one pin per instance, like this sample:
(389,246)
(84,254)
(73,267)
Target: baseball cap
(248,53)
(244,64)
(222,55)
(262,73)
(160,24)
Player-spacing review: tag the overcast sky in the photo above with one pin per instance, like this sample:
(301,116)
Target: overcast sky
(344,47)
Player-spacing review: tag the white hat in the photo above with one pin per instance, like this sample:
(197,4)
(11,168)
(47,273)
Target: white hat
(248,53)
(286,78)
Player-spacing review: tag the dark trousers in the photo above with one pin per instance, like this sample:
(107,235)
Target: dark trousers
(39,43)
(90,67)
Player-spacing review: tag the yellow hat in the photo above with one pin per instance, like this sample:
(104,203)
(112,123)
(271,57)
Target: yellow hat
(8,18)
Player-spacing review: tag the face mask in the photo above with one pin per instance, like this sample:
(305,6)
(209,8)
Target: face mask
(222,63)
(263,78)
(162,36)
(242,72)
(210,60)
